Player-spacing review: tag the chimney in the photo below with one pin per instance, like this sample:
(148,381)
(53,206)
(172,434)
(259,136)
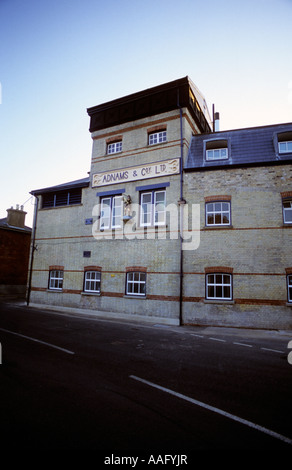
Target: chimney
(16,217)
(217,122)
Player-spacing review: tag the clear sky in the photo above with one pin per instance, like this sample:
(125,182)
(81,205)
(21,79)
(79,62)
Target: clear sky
(60,57)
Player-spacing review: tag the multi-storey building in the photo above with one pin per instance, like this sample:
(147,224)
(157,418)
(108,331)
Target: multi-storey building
(176,222)
(241,272)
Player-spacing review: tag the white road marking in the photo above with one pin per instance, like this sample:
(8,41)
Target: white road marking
(237,343)
(217,339)
(273,350)
(215,410)
(38,341)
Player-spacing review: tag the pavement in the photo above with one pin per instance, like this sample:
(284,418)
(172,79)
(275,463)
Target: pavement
(150,321)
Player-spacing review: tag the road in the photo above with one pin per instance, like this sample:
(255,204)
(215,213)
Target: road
(72,382)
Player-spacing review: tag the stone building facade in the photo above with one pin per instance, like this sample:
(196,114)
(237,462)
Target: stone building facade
(240,274)
(175,223)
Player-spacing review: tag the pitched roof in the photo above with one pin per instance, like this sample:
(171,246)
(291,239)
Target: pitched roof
(246,147)
(5,225)
(81,183)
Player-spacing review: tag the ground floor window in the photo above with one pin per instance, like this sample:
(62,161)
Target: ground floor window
(136,283)
(219,286)
(56,280)
(289,287)
(92,281)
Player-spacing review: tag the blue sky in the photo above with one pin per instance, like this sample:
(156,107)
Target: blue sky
(60,57)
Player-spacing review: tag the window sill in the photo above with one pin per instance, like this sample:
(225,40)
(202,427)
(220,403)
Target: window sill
(216,160)
(112,153)
(109,230)
(55,291)
(95,294)
(289,304)
(142,228)
(158,143)
(136,229)
(285,154)
(127,296)
(221,302)
(218,227)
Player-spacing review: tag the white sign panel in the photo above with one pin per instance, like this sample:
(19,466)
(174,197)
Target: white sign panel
(124,175)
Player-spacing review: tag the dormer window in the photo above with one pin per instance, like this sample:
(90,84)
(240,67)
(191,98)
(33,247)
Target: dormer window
(285,142)
(285,147)
(216,150)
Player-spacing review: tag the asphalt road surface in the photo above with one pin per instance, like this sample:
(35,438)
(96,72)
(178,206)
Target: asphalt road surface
(72,382)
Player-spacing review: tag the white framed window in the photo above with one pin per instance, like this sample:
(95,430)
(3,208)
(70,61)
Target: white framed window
(216,149)
(287,212)
(218,213)
(136,283)
(56,279)
(217,154)
(115,147)
(285,147)
(92,281)
(157,137)
(153,208)
(111,212)
(289,287)
(219,286)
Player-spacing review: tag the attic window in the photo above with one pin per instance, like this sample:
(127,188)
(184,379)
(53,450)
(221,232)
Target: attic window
(217,150)
(114,147)
(61,198)
(157,137)
(285,142)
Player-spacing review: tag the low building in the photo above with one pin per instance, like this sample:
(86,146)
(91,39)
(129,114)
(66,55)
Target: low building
(15,239)
(176,222)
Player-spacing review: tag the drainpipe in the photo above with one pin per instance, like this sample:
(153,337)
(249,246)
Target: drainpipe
(181,203)
(32,251)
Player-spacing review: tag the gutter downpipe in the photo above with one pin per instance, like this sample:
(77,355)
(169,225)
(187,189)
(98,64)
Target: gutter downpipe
(33,248)
(181,203)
